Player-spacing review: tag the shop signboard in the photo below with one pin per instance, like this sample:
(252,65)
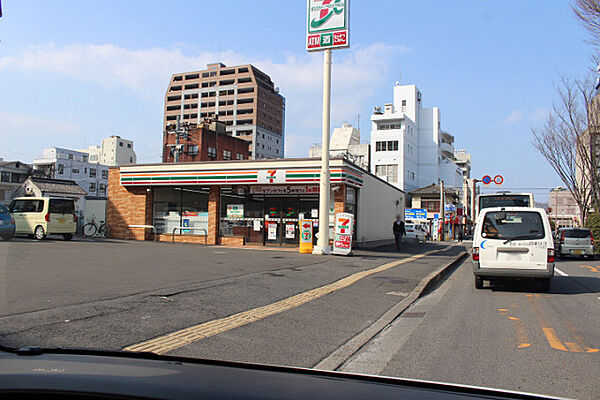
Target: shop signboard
(235,210)
(306,236)
(436,229)
(327,25)
(272,231)
(314,213)
(342,240)
(285,189)
(290,231)
(415,213)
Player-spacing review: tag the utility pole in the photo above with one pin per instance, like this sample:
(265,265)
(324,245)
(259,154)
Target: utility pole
(442,211)
(473,202)
(181,131)
(322,246)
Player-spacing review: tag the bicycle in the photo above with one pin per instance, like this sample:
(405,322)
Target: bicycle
(92,229)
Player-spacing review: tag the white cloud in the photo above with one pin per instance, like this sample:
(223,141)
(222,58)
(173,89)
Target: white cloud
(514,117)
(356,75)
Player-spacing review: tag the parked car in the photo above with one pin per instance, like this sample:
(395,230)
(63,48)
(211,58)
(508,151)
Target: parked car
(574,242)
(42,216)
(513,242)
(416,232)
(7,224)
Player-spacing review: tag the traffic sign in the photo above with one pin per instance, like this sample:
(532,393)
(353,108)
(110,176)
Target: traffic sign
(486,180)
(498,179)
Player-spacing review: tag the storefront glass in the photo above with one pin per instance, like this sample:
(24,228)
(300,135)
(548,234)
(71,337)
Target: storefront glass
(264,218)
(181,207)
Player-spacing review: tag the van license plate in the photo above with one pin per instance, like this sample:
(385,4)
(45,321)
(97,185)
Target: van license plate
(578,252)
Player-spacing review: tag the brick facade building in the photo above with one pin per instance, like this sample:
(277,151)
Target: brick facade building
(207,142)
(238,202)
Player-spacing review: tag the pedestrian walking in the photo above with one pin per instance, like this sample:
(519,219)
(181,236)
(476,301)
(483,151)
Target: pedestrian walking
(399,231)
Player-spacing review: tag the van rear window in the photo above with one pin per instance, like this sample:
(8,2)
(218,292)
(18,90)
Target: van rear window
(577,233)
(61,206)
(513,225)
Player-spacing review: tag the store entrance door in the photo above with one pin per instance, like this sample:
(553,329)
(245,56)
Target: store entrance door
(281,218)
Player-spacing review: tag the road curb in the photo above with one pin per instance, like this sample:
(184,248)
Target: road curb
(339,356)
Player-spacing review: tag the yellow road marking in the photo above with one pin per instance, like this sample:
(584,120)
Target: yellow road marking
(553,339)
(574,347)
(183,337)
(523,339)
(593,269)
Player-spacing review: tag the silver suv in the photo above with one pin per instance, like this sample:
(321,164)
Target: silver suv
(574,242)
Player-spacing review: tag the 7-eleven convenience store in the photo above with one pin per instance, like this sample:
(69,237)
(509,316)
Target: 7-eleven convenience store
(243,202)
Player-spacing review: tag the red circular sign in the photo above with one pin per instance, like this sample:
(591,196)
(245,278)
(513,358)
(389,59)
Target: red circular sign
(486,180)
(498,179)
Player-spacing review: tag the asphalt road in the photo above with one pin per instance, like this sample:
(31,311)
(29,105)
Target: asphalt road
(266,306)
(510,337)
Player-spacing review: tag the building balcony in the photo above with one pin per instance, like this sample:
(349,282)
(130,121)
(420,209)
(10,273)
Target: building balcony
(447,150)
(447,138)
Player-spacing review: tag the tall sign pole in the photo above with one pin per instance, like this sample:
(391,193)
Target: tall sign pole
(326,29)
(322,246)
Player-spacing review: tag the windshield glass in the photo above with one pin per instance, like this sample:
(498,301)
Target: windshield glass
(305,183)
(512,225)
(577,233)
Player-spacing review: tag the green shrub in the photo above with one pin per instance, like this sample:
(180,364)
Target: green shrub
(593,224)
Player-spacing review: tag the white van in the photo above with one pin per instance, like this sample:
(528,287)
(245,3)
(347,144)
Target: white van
(42,216)
(513,242)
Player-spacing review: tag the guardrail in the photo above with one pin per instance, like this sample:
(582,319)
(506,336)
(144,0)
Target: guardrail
(190,229)
(142,226)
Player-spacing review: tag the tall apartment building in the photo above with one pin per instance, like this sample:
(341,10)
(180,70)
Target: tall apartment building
(114,151)
(242,97)
(58,163)
(408,146)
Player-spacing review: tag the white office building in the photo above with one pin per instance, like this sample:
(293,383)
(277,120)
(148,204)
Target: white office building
(408,147)
(114,152)
(58,163)
(345,142)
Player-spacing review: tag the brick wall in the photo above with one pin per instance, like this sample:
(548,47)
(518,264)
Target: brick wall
(128,206)
(214,203)
(339,198)
(204,138)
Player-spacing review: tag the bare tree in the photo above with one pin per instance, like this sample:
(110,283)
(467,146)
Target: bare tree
(588,13)
(568,140)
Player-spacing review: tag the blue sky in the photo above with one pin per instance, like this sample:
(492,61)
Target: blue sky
(72,72)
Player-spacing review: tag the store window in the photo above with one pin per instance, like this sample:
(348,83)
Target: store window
(181,207)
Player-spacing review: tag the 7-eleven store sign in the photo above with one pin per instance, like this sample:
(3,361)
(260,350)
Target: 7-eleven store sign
(271,176)
(342,239)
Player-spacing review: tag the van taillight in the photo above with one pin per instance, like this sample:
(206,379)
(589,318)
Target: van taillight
(47,217)
(550,255)
(475,253)
(562,238)
(591,238)
(74,218)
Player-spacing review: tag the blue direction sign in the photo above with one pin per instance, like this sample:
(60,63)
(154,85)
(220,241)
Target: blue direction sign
(415,213)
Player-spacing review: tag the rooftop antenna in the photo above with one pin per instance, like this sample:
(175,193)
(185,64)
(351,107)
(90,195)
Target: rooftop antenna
(358,123)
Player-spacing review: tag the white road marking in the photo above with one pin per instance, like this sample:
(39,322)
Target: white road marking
(561,273)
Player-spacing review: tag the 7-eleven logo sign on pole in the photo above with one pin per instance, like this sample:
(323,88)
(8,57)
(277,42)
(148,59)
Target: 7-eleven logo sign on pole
(342,239)
(327,24)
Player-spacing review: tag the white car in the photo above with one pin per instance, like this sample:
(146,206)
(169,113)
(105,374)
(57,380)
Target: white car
(416,232)
(513,242)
